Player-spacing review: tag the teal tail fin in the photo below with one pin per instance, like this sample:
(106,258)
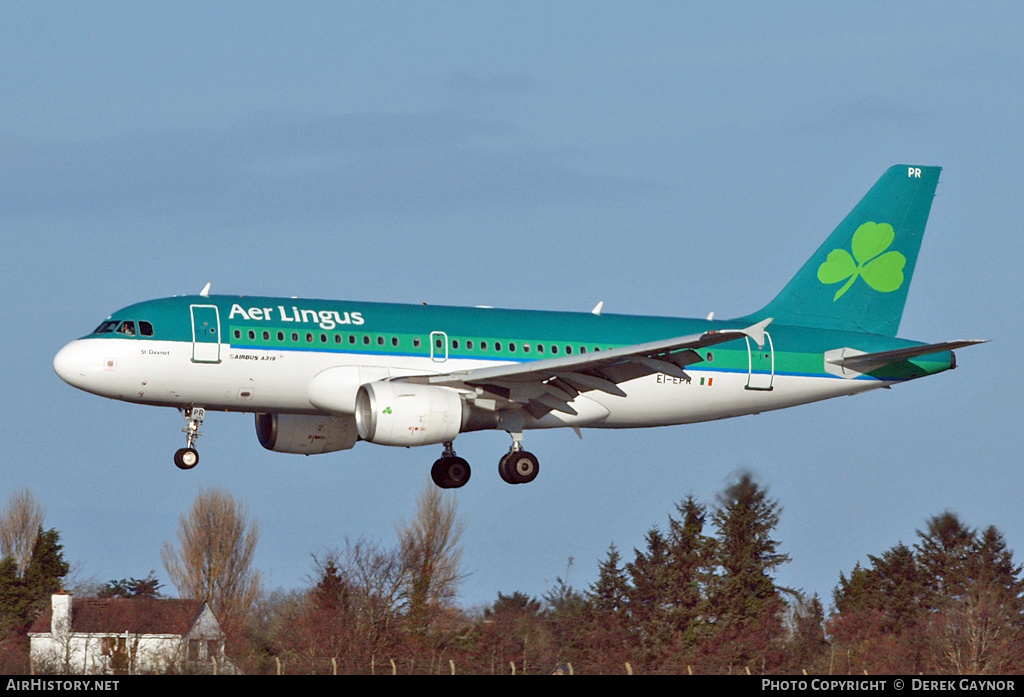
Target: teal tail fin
(858,279)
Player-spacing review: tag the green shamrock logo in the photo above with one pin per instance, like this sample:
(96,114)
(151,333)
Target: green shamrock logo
(387,410)
(881,270)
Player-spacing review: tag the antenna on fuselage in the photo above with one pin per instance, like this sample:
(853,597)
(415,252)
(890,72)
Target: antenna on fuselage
(597,308)
(205,292)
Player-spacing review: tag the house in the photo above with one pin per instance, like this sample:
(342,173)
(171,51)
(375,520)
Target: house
(126,636)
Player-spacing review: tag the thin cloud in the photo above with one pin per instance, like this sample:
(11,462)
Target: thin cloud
(297,167)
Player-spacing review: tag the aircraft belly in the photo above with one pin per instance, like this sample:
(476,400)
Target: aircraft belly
(659,400)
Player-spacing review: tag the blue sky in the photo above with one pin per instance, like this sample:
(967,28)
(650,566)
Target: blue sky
(665,158)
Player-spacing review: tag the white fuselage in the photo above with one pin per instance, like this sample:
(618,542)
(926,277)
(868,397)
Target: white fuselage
(164,373)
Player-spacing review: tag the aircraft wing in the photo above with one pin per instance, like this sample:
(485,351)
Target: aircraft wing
(550,384)
(860,362)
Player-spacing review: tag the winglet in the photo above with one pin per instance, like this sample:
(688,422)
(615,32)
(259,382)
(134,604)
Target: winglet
(756,331)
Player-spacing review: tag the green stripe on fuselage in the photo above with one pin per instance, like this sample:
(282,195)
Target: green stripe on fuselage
(798,350)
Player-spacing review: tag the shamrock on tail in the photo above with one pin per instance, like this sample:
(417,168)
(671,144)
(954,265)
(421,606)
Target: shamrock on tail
(883,272)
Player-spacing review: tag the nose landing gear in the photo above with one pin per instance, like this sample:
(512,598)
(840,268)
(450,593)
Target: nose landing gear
(188,457)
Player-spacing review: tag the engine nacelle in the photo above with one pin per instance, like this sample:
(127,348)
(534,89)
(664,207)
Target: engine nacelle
(305,434)
(405,413)
(334,390)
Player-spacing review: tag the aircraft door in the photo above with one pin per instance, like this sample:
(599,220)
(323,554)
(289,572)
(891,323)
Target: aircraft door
(438,347)
(205,334)
(760,364)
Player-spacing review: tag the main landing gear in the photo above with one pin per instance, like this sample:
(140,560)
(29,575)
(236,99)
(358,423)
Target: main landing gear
(516,467)
(188,457)
(451,471)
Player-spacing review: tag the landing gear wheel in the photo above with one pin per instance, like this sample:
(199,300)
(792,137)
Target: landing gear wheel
(503,469)
(519,467)
(186,458)
(523,467)
(450,472)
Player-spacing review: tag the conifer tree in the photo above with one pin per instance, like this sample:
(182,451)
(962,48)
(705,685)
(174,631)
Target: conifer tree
(608,595)
(24,595)
(609,642)
(974,597)
(746,554)
(649,595)
(691,556)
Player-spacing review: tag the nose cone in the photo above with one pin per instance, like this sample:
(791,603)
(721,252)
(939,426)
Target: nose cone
(79,365)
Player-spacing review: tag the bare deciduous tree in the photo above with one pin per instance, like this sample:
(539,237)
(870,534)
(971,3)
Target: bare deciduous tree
(214,560)
(431,556)
(20,523)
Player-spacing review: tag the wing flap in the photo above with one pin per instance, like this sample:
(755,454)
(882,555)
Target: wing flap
(551,383)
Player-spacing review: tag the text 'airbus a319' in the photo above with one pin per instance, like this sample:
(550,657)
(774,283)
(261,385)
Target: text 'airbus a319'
(322,375)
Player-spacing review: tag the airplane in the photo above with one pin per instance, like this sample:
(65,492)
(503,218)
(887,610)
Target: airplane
(321,375)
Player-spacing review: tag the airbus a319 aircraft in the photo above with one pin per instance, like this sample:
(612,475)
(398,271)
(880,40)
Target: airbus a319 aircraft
(321,375)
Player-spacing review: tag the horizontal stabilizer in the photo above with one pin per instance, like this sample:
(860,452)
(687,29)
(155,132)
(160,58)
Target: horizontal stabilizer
(853,361)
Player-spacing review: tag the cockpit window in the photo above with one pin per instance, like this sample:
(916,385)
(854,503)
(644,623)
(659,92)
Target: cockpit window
(126,327)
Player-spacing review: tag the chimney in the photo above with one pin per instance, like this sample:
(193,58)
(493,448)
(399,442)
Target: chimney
(60,622)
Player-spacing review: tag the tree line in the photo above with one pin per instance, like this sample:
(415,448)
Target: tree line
(698,596)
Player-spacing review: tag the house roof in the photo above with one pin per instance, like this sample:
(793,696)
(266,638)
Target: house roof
(119,615)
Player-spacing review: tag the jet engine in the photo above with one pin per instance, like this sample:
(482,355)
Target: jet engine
(305,434)
(406,414)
